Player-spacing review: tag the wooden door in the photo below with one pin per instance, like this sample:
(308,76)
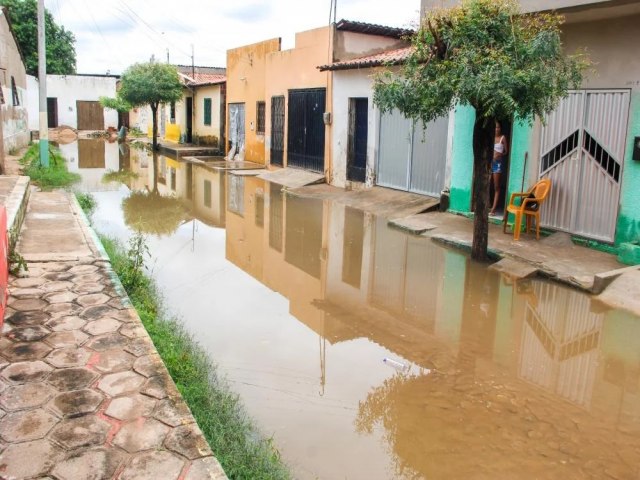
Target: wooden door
(90,115)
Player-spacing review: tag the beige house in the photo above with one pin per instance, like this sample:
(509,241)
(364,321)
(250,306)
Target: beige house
(198,118)
(279,105)
(14,133)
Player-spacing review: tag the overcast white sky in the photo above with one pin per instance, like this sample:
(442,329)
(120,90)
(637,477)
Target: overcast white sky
(113,35)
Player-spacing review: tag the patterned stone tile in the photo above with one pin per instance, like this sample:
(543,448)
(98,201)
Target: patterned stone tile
(72,378)
(29,395)
(31,333)
(69,357)
(142,434)
(112,361)
(120,383)
(130,407)
(26,425)
(19,352)
(76,403)
(79,432)
(104,325)
(67,323)
(207,468)
(23,372)
(100,463)
(73,338)
(28,460)
(188,442)
(151,465)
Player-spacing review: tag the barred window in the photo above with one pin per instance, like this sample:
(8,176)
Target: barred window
(14,91)
(260,118)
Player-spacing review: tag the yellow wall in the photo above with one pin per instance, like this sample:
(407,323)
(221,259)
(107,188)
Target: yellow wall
(297,68)
(246,84)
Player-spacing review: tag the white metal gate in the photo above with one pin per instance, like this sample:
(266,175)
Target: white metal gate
(582,152)
(411,157)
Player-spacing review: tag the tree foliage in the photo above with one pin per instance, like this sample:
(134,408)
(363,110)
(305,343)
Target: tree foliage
(148,84)
(486,54)
(60,43)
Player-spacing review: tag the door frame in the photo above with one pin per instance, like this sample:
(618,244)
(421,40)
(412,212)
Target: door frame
(353,172)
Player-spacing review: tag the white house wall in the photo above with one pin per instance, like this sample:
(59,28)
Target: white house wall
(33,102)
(68,89)
(15,128)
(92,177)
(348,84)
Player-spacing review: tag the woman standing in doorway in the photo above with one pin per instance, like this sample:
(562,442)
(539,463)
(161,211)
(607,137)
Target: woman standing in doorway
(500,151)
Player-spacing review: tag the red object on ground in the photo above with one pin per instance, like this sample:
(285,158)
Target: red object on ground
(4,264)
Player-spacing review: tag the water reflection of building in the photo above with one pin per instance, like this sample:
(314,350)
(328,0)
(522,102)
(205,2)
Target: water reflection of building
(499,354)
(92,158)
(560,342)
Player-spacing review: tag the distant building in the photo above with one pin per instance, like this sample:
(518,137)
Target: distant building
(14,133)
(279,105)
(74,101)
(198,118)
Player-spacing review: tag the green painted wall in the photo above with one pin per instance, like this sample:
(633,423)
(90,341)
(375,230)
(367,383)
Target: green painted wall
(462,159)
(628,227)
(450,319)
(521,144)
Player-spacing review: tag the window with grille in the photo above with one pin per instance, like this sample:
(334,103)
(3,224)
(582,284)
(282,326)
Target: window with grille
(260,118)
(207,111)
(14,91)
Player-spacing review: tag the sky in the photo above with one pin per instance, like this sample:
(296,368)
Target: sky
(110,36)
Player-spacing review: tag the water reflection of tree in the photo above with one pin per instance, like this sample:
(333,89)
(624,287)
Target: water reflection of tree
(152,213)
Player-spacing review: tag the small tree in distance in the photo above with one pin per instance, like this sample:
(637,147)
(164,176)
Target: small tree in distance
(147,84)
(486,54)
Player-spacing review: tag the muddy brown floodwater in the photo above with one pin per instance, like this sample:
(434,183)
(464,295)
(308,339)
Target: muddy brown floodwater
(300,302)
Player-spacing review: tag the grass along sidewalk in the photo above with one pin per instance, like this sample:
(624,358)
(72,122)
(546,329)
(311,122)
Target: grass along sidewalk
(236,443)
(56,175)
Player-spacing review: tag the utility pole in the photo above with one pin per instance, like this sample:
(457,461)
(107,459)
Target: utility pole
(42,78)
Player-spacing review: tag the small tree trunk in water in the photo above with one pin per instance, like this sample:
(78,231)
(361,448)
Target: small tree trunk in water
(483,135)
(154,122)
(155,172)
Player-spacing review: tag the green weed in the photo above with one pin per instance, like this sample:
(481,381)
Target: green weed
(87,202)
(235,441)
(120,176)
(55,175)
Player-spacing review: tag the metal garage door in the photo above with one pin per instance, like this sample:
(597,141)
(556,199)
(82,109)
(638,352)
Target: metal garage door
(411,157)
(582,152)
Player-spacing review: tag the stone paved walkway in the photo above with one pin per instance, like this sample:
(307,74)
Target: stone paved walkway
(83,392)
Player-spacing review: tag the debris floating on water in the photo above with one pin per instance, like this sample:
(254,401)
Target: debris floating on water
(401,367)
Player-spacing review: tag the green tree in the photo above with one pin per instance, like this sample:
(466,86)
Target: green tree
(148,84)
(486,54)
(61,51)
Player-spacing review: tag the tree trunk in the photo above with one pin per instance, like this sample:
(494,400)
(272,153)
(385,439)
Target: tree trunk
(483,135)
(155,172)
(154,122)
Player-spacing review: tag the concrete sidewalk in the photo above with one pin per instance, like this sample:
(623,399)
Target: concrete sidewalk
(83,392)
(555,256)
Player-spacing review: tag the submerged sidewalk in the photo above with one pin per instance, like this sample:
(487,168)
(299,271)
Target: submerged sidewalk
(83,392)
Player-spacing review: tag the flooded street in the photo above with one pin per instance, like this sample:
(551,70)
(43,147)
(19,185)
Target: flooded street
(368,353)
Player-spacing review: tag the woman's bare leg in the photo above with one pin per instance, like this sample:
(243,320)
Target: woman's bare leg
(496,189)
